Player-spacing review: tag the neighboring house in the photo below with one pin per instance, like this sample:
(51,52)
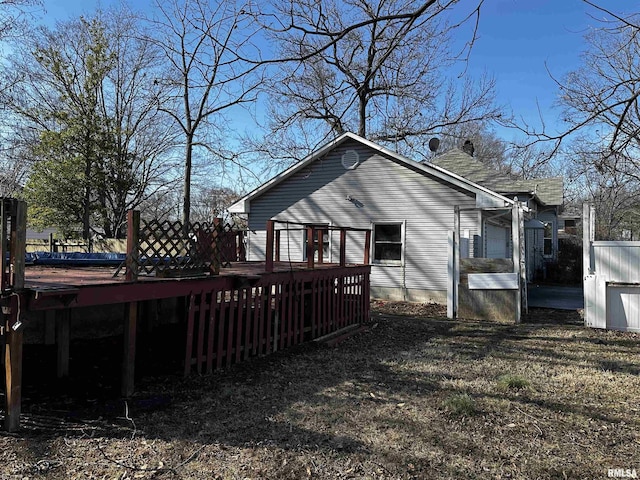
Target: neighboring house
(569,222)
(543,196)
(409,207)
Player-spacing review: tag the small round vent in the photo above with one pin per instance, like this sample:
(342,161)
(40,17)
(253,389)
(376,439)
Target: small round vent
(350,159)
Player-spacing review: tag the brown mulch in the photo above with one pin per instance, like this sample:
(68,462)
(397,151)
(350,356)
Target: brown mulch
(408,309)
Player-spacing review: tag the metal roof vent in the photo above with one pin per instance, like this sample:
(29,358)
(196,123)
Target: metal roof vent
(350,159)
(467,147)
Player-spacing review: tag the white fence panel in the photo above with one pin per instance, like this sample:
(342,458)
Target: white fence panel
(595,313)
(617,261)
(623,307)
(612,294)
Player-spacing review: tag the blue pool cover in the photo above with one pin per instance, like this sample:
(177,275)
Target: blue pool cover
(75,259)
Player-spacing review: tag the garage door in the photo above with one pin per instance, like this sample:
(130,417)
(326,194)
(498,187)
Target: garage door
(623,308)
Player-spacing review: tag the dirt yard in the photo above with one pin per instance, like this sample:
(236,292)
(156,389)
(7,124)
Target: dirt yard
(414,396)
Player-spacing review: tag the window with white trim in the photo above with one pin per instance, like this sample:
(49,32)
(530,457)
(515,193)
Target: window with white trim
(388,243)
(548,239)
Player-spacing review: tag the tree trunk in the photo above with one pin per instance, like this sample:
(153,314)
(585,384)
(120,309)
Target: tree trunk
(86,202)
(362,113)
(186,204)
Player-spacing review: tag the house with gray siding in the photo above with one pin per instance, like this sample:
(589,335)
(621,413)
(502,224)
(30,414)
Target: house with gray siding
(407,205)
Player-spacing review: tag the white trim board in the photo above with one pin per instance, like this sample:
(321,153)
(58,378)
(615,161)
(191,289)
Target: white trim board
(493,281)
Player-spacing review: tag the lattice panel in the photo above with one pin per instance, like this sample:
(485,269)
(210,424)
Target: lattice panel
(166,248)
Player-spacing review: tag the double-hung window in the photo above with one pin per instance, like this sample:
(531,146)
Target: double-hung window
(388,240)
(548,239)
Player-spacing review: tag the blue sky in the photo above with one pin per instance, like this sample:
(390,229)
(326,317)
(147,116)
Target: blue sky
(522,42)
(518,41)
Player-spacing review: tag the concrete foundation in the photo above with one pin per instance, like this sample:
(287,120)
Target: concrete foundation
(409,295)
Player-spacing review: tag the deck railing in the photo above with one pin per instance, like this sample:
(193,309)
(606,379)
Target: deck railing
(314,232)
(281,310)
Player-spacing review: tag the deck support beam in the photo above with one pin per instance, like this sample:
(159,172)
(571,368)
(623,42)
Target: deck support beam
(311,233)
(129,353)
(13,378)
(62,340)
(367,247)
(343,247)
(16,210)
(49,327)
(269,246)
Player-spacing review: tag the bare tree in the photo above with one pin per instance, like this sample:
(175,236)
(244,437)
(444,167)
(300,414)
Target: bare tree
(376,68)
(598,146)
(213,202)
(616,196)
(601,96)
(206,46)
(14,15)
(488,147)
(85,97)
(14,22)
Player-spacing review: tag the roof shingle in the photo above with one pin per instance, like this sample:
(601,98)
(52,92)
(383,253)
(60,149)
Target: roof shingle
(548,190)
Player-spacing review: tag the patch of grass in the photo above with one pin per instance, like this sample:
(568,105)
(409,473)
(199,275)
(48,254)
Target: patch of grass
(512,382)
(460,404)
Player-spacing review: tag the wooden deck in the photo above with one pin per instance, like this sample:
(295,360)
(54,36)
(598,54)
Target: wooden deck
(57,287)
(226,318)
(49,277)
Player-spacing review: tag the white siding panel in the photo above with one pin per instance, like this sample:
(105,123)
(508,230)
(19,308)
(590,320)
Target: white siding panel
(623,308)
(291,244)
(617,261)
(256,242)
(386,276)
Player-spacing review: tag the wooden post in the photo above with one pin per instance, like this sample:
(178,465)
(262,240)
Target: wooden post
(51,246)
(133,231)
(5,207)
(456,261)
(216,250)
(129,353)
(451,299)
(62,339)
(277,247)
(310,246)
(523,263)
(320,246)
(18,244)
(13,371)
(13,328)
(49,327)
(269,247)
(587,237)
(367,247)
(515,239)
(343,247)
